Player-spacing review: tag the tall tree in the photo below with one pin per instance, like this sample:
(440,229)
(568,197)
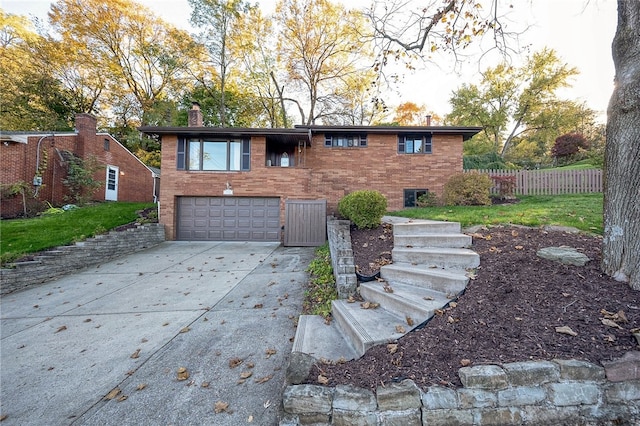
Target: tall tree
(510,102)
(138,52)
(621,244)
(320,45)
(217,18)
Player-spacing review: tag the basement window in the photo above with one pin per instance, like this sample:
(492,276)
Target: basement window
(411,195)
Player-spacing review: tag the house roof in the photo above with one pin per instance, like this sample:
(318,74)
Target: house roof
(294,135)
(23,137)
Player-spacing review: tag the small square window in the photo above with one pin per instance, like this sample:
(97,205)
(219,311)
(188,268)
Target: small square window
(411,196)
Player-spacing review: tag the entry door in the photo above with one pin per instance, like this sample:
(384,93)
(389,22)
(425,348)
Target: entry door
(111,190)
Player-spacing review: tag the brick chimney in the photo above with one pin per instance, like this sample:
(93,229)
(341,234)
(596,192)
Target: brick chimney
(428,119)
(86,125)
(195,115)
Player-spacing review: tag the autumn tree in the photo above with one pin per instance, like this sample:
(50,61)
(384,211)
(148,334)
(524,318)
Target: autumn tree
(138,52)
(568,145)
(216,19)
(512,102)
(320,44)
(621,244)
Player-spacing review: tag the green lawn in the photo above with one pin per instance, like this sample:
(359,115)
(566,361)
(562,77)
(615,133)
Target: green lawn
(578,165)
(582,211)
(22,236)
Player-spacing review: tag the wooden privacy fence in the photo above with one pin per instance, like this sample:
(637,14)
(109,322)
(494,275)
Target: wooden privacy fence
(550,182)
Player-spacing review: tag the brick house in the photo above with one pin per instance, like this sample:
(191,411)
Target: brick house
(236,183)
(40,158)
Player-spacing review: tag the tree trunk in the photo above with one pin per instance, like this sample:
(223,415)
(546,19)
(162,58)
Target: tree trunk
(621,243)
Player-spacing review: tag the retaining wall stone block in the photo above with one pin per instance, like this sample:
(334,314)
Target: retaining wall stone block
(399,396)
(573,369)
(573,393)
(624,368)
(490,377)
(410,417)
(623,391)
(351,398)
(523,395)
(438,397)
(447,417)
(531,373)
(499,416)
(308,399)
(354,418)
(476,398)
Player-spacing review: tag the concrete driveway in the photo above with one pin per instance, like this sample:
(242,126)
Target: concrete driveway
(225,312)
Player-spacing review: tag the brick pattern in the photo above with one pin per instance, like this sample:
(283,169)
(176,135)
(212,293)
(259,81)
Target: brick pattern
(18,163)
(321,173)
(566,392)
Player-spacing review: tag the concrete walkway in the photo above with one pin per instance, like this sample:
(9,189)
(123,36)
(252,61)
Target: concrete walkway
(133,323)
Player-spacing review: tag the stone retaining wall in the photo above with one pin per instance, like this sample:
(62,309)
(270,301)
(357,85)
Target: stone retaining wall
(344,269)
(66,259)
(567,392)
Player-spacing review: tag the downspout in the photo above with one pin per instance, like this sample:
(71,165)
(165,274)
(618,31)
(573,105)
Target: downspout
(37,180)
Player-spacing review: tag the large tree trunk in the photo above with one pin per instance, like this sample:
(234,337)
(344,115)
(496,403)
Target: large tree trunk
(621,244)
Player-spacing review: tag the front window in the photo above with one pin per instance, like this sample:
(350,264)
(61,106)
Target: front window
(215,155)
(412,195)
(414,144)
(345,141)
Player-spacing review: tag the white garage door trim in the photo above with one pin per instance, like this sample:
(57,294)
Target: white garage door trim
(228,219)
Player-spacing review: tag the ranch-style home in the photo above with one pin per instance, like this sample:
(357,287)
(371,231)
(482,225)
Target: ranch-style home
(247,184)
(41,159)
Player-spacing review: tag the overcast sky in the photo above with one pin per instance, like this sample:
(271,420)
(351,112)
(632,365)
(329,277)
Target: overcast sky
(581,31)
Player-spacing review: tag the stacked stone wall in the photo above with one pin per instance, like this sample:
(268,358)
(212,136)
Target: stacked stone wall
(64,260)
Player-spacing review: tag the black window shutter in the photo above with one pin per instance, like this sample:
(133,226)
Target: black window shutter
(180,157)
(427,144)
(401,144)
(246,154)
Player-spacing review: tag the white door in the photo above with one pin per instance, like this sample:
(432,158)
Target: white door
(111,190)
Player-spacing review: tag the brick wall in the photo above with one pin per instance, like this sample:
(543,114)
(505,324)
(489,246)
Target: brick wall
(327,173)
(18,163)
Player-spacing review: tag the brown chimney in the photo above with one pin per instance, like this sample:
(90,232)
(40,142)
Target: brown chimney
(195,115)
(86,125)
(428,119)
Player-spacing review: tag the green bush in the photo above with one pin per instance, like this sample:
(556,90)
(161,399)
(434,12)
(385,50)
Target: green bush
(364,208)
(430,199)
(468,189)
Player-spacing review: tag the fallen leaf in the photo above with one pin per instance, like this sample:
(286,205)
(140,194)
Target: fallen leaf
(122,398)
(609,338)
(323,380)
(264,379)
(428,298)
(141,386)
(184,330)
(453,304)
(257,306)
(465,362)
(266,404)
(566,330)
(388,289)
(183,374)
(439,312)
(519,247)
(409,321)
(351,299)
(514,233)
(250,419)
(204,385)
(250,365)
(114,392)
(270,352)
(392,348)
(450,319)
(61,328)
(220,406)
(622,316)
(234,362)
(566,294)
(136,354)
(369,305)
(400,329)
(246,374)
(610,323)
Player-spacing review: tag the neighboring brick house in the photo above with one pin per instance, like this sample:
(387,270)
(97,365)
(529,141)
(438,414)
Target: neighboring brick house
(41,158)
(234,184)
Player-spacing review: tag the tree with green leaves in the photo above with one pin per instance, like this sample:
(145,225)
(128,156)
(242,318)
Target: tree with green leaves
(510,102)
(216,19)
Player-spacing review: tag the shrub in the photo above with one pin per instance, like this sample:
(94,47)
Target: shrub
(468,189)
(430,199)
(506,186)
(364,208)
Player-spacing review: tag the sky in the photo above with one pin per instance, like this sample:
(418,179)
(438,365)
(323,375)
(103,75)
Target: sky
(580,31)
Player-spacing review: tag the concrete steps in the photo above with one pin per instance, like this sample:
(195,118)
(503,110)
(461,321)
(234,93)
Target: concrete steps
(430,261)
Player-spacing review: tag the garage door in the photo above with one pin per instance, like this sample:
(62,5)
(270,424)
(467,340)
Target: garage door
(228,219)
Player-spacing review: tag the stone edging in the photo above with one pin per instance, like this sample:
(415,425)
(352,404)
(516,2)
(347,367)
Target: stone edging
(63,260)
(342,261)
(533,392)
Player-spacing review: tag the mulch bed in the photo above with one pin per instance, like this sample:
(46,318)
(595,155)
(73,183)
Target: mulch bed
(508,313)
